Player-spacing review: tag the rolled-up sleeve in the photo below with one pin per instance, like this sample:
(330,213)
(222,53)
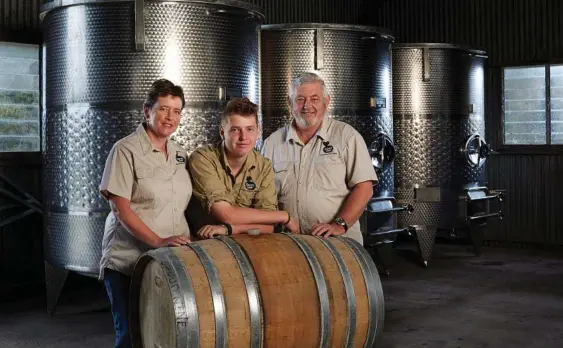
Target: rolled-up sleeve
(208,187)
(118,177)
(358,161)
(267,197)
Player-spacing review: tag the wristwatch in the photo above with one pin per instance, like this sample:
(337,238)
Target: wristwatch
(340,221)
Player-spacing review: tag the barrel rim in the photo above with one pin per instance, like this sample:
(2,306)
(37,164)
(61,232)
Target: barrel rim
(238,4)
(376,296)
(441,45)
(164,256)
(382,33)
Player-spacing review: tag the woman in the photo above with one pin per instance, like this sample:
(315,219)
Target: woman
(148,186)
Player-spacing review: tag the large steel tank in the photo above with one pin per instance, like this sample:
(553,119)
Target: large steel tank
(99,60)
(355,62)
(439,128)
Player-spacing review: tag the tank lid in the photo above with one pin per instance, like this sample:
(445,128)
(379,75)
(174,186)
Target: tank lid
(49,5)
(445,46)
(382,33)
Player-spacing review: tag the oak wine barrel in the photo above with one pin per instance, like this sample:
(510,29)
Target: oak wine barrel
(270,290)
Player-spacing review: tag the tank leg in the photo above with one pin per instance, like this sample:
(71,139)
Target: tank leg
(425,238)
(477,236)
(382,256)
(55,279)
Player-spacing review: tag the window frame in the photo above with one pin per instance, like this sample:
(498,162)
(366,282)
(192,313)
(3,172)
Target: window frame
(540,149)
(12,155)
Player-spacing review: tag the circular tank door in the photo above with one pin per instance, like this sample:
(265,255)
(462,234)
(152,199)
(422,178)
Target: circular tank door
(476,150)
(382,152)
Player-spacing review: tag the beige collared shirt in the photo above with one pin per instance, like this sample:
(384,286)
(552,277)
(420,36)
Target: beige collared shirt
(252,187)
(314,180)
(158,190)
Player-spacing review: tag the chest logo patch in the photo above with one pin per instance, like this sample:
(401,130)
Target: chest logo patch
(180,158)
(327,147)
(249,184)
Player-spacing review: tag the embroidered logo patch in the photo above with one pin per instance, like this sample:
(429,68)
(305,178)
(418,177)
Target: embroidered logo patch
(180,158)
(249,184)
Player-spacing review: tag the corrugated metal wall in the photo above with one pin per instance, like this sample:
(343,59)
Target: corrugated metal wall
(19,20)
(305,11)
(513,32)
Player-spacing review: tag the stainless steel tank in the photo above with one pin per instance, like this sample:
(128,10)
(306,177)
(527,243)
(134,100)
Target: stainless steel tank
(355,62)
(439,128)
(99,60)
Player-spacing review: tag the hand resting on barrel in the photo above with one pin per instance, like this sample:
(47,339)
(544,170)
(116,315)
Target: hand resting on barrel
(175,241)
(327,230)
(210,231)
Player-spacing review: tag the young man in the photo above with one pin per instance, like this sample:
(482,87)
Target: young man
(233,183)
(322,166)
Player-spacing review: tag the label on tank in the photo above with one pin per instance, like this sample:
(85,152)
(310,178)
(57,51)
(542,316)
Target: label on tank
(378,102)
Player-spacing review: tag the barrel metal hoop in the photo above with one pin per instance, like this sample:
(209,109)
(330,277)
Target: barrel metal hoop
(183,297)
(321,288)
(252,291)
(216,293)
(376,303)
(350,294)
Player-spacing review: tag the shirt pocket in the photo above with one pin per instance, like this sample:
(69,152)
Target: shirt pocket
(143,195)
(329,173)
(284,178)
(245,198)
(154,185)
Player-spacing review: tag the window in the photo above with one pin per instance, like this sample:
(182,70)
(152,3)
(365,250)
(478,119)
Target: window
(19,97)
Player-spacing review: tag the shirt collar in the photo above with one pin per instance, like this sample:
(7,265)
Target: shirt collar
(146,144)
(322,133)
(250,162)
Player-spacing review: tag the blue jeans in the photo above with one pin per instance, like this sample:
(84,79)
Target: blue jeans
(117,287)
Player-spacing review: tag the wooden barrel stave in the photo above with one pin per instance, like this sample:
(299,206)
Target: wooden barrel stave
(234,293)
(337,297)
(360,292)
(286,282)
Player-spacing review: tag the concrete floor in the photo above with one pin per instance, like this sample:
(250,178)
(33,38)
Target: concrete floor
(504,298)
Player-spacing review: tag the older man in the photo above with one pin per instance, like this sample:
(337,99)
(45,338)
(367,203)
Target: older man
(233,182)
(323,170)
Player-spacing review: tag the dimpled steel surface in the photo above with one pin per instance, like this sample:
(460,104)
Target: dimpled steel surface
(96,82)
(356,67)
(432,121)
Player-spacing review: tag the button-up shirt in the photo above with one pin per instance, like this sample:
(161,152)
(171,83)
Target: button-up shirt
(313,180)
(214,181)
(157,188)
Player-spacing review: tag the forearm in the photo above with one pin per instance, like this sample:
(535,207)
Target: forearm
(225,212)
(356,202)
(137,227)
(244,228)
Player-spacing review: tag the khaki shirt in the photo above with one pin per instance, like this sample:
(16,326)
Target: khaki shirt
(158,190)
(213,181)
(314,180)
